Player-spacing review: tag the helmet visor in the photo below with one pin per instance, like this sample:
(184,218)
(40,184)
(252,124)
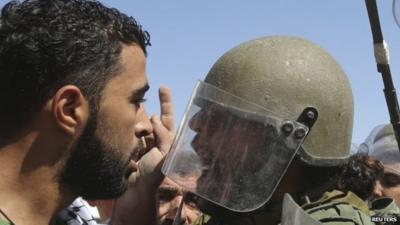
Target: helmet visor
(293,214)
(230,151)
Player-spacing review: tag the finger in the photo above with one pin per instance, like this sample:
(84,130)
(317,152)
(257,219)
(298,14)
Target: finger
(166,107)
(162,135)
(149,139)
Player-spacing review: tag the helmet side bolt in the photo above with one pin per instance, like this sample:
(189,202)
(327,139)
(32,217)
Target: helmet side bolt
(311,114)
(287,127)
(299,133)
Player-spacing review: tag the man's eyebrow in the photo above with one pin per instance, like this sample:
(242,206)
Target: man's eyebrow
(140,91)
(168,189)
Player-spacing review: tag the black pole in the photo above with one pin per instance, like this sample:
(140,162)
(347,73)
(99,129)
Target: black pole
(382,60)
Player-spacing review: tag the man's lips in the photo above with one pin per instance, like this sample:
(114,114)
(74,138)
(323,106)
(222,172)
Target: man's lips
(139,151)
(136,155)
(145,144)
(131,168)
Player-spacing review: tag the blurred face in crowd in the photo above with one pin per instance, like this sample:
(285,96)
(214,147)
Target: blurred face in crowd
(389,187)
(170,198)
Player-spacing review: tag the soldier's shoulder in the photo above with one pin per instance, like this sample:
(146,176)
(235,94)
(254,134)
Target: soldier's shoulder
(337,207)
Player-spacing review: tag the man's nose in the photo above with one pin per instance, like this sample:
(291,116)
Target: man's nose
(183,215)
(196,121)
(177,212)
(143,127)
(174,206)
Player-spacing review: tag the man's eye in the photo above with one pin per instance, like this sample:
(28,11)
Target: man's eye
(165,195)
(138,101)
(190,200)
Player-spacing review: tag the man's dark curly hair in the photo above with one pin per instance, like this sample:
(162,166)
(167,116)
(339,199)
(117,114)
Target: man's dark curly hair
(45,44)
(360,175)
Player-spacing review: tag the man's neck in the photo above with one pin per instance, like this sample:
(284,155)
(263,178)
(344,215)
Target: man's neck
(29,196)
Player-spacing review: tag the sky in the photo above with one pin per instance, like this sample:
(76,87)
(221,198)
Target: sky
(189,36)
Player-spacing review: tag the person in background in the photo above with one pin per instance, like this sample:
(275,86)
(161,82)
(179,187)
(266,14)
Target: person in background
(361,175)
(381,145)
(172,202)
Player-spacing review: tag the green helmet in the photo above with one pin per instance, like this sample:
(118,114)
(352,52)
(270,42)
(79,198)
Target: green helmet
(248,119)
(285,75)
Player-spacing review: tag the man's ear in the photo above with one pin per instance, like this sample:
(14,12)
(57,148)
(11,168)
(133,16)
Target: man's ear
(70,109)
(378,190)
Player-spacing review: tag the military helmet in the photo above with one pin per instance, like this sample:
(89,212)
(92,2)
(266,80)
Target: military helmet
(245,123)
(285,75)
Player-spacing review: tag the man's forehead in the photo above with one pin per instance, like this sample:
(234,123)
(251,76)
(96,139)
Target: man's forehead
(169,183)
(132,76)
(130,52)
(132,60)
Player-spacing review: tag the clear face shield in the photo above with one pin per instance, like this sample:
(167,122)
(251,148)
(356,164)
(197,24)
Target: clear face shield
(293,214)
(230,151)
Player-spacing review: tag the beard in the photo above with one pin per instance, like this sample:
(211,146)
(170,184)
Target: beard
(95,170)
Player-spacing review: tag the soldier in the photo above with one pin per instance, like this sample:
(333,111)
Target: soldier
(273,116)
